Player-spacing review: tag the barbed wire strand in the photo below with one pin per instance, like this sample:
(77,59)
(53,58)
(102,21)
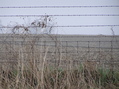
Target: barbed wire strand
(62,26)
(60,15)
(59,6)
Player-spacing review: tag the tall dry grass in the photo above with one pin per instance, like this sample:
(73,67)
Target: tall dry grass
(26,65)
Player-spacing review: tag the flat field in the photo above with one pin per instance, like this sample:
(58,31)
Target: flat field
(104,50)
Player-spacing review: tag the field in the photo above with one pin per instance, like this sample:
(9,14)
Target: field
(59,62)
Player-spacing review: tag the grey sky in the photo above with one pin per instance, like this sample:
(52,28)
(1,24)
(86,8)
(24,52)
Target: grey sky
(66,20)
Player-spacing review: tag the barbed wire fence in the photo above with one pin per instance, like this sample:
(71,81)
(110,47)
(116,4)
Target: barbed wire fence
(103,50)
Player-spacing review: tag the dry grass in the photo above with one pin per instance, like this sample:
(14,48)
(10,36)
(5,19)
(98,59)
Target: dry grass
(26,66)
(28,76)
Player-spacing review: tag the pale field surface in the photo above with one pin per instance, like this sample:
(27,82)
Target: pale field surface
(60,50)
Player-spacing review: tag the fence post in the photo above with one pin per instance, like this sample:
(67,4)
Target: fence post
(77,46)
(111,51)
(99,52)
(112,64)
(44,46)
(88,50)
(66,49)
(55,53)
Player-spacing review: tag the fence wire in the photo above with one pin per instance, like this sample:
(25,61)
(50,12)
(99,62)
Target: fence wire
(65,26)
(108,6)
(59,15)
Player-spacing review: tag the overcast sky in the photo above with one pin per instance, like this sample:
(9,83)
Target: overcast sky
(66,20)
